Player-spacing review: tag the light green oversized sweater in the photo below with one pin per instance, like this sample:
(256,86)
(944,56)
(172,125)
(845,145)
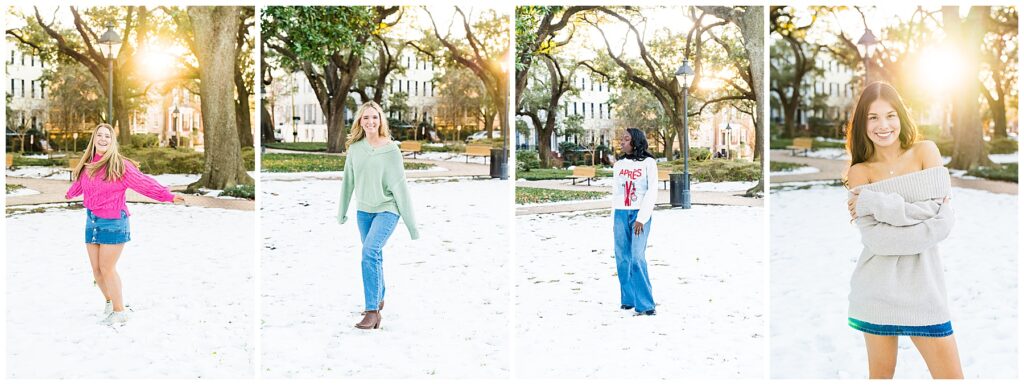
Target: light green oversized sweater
(377,177)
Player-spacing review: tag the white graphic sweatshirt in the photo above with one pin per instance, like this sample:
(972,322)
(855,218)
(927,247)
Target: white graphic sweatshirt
(636,187)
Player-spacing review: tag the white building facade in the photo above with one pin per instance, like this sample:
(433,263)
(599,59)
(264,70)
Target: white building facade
(27,90)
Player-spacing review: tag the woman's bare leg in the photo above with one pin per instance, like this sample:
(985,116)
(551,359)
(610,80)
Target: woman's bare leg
(94,260)
(941,355)
(881,355)
(108,256)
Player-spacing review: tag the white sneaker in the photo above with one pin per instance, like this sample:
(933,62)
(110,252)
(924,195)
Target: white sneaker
(108,308)
(115,317)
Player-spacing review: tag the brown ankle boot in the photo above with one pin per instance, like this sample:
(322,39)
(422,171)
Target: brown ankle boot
(371,320)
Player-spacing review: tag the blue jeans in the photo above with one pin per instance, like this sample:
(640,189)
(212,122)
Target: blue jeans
(374,230)
(634,283)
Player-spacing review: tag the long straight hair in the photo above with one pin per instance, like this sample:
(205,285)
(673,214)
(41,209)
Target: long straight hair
(112,160)
(638,141)
(357,133)
(858,144)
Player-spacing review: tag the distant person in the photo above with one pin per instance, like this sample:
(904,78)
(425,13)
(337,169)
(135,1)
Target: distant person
(102,176)
(634,194)
(899,199)
(374,172)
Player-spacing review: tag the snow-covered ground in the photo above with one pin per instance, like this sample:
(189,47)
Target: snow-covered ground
(446,313)
(22,191)
(797,171)
(827,153)
(40,172)
(814,249)
(707,271)
(190,291)
(694,186)
(450,157)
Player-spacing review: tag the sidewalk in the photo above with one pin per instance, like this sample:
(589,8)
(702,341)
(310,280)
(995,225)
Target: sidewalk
(52,191)
(833,170)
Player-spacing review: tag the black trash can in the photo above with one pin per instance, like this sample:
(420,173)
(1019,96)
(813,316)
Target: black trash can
(679,190)
(497,162)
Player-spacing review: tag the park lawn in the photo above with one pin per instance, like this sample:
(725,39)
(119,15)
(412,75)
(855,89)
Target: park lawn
(13,187)
(718,170)
(782,143)
(315,163)
(245,191)
(298,146)
(784,166)
(1006,172)
(21,161)
(554,173)
(527,195)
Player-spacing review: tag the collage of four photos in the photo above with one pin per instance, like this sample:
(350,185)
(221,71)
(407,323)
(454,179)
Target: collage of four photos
(554,192)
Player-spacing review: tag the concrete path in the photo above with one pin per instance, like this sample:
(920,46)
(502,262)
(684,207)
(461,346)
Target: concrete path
(832,169)
(52,191)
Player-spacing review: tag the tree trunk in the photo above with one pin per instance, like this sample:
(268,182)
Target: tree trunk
(215,30)
(242,109)
(670,137)
(266,124)
(337,132)
(968,142)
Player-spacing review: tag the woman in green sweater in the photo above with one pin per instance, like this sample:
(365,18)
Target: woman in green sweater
(375,174)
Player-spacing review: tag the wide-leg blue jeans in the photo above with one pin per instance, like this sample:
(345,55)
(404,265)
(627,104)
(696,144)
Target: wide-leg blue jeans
(630,261)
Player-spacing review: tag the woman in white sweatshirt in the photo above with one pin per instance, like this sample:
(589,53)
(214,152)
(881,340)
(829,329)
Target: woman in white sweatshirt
(634,193)
(899,199)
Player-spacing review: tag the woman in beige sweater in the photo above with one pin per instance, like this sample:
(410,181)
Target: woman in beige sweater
(899,199)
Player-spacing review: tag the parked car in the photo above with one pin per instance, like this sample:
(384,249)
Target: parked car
(479,135)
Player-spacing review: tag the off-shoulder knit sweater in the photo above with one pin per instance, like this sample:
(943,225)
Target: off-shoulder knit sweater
(898,279)
(106,199)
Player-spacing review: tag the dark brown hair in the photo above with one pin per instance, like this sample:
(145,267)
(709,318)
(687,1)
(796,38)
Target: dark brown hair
(857,142)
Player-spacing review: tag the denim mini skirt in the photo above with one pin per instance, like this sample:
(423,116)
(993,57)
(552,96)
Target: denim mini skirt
(939,330)
(106,231)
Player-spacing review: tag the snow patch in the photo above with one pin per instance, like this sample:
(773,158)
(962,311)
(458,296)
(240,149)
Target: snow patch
(190,292)
(797,171)
(707,271)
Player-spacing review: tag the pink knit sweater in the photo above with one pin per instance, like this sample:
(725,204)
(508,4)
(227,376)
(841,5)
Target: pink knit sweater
(106,198)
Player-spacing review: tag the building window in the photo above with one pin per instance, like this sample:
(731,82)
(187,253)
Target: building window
(32,87)
(574,110)
(408,86)
(12,88)
(23,85)
(591,105)
(416,88)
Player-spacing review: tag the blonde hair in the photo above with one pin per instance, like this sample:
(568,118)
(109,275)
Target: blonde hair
(111,160)
(356,133)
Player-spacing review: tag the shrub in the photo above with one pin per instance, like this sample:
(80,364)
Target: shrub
(145,140)
(527,160)
(719,170)
(1002,146)
(165,160)
(245,191)
(1004,172)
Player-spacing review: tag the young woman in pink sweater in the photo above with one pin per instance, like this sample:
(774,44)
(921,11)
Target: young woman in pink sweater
(102,176)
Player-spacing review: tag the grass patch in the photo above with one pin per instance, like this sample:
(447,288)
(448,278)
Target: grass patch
(525,195)
(784,166)
(718,170)
(21,161)
(1004,172)
(246,191)
(299,146)
(315,163)
(554,173)
(13,187)
(782,143)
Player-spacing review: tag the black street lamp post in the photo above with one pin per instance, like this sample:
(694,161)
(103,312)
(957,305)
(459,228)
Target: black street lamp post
(109,44)
(681,182)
